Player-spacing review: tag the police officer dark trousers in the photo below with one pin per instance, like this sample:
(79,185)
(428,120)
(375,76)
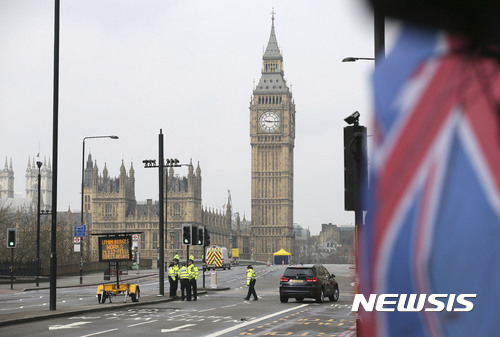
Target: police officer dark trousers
(193,278)
(185,286)
(251,284)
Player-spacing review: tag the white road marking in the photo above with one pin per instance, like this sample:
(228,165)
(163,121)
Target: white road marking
(236,327)
(99,333)
(130,326)
(67,326)
(207,310)
(85,317)
(177,328)
(227,306)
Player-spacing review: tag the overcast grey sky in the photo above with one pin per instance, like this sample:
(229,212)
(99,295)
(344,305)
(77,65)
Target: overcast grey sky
(130,67)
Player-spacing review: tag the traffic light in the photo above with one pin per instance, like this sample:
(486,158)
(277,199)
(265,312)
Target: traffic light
(206,237)
(200,237)
(349,170)
(11,237)
(194,233)
(186,234)
(355,167)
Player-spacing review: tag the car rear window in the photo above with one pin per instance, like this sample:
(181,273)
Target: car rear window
(293,272)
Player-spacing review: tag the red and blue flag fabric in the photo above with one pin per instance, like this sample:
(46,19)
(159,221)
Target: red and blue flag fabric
(433,221)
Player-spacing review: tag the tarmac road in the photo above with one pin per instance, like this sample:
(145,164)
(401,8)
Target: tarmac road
(218,313)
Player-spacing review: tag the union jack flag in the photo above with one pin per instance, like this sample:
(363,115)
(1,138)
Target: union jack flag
(433,222)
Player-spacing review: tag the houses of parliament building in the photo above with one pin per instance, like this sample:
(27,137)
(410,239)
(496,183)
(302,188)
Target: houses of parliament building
(112,205)
(109,203)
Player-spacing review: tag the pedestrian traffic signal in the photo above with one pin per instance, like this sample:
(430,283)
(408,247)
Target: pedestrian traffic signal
(200,236)
(186,234)
(206,237)
(11,237)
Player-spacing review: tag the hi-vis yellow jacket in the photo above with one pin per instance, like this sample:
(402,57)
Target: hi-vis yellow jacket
(173,272)
(250,276)
(184,273)
(193,272)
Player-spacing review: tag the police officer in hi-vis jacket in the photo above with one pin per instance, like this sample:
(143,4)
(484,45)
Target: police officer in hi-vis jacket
(251,284)
(193,277)
(185,285)
(173,277)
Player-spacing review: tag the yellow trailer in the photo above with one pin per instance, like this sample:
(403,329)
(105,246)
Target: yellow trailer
(109,290)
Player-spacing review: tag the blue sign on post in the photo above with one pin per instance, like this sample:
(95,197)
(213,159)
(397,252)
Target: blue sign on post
(80,230)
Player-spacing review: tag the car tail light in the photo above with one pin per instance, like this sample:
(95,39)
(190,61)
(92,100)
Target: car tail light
(284,279)
(314,279)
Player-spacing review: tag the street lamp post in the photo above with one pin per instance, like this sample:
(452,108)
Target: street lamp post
(81,209)
(39,164)
(55,142)
(161,225)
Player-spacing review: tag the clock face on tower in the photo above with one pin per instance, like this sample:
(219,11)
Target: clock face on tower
(269,121)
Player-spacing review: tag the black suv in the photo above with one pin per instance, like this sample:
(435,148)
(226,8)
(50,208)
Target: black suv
(308,280)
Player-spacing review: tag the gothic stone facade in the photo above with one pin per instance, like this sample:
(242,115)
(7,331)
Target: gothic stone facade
(31,196)
(110,206)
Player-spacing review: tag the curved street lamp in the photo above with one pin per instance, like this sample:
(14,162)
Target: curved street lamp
(81,210)
(354,59)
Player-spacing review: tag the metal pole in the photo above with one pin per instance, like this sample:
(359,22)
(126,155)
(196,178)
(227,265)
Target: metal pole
(162,212)
(360,174)
(81,212)
(204,261)
(379,35)
(53,255)
(12,268)
(39,164)
(166,211)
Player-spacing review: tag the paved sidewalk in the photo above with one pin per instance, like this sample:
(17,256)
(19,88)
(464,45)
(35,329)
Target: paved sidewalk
(41,312)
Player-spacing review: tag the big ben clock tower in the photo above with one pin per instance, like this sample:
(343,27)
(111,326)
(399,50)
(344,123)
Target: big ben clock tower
(272,138)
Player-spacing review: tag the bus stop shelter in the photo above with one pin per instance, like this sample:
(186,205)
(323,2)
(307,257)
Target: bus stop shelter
(281,257)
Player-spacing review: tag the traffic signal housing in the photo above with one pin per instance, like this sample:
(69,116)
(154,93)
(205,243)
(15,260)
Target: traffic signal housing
(11,237)
(186,234)
(194,233)
(206,237)
(355,167)
(200,236)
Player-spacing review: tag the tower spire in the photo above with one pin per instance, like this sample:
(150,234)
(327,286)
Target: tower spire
(272,49)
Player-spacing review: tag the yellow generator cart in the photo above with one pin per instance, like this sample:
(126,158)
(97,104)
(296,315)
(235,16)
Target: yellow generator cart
(109,290)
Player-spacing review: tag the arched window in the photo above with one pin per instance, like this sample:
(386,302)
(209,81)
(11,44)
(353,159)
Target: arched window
(108,211)
(177,210)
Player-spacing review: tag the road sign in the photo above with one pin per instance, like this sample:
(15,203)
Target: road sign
(135,237)
(236,252)
(116,248)
(80,230)
(76,239)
